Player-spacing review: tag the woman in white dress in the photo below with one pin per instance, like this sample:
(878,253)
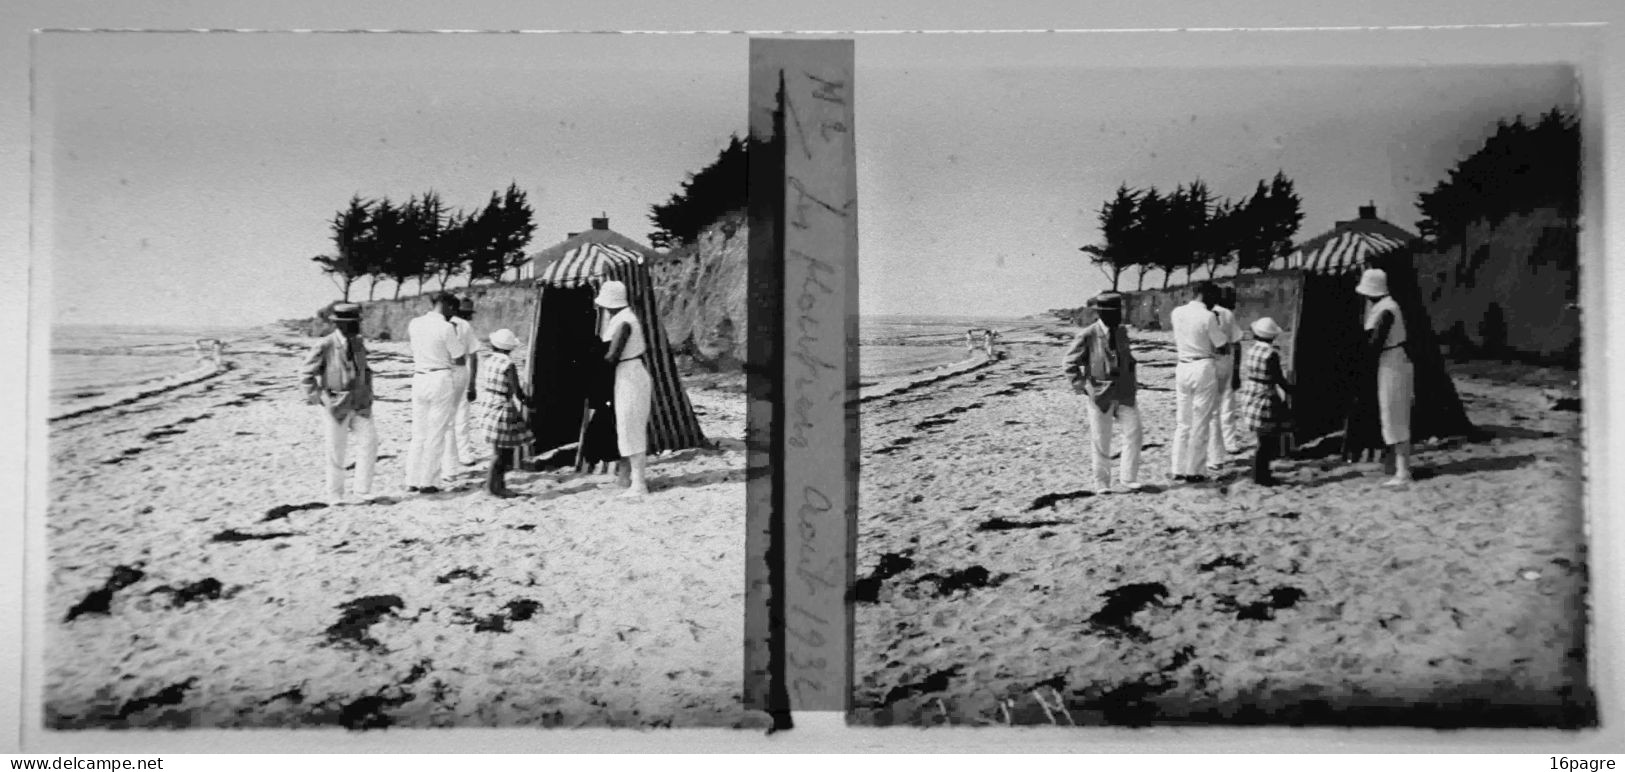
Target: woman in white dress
(1396,390)
(621,328)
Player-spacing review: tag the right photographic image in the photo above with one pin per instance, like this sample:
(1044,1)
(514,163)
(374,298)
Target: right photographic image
(1233,395)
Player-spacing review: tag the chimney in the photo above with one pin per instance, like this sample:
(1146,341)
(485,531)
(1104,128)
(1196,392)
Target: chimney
(601,223)
(1369,211)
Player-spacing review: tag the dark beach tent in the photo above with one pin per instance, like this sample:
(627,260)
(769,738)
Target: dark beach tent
(1336,388)
(564,355)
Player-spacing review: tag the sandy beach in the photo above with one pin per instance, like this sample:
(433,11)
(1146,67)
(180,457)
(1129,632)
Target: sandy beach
(208,589)
(994,589)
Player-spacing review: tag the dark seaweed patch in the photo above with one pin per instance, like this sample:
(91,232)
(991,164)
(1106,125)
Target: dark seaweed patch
(934,682)
(1122,603)
(973,578)
(867,589)
(458,573)
(359,615)
(1051,499)
(1225,561)
(522,609)
(1001,524)
(203,589)
(99,601)
(368,712)
(169,695)
(234,535)
(281,511)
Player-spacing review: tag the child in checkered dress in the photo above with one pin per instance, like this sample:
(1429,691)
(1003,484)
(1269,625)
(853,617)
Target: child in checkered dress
(1263,410)
(497,410)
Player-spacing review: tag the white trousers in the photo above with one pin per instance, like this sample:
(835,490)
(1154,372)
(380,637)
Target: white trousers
(1222,438)
(460,448)
(433,407)
(339,433)
(1100,433)
(1193,416)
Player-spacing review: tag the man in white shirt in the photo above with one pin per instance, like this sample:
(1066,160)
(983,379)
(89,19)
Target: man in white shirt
(460,449)
(1197,340)
(436,350)
(1223,440)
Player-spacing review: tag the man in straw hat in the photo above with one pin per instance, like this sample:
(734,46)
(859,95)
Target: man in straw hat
(1387,345)
(336,376)
(436,349)
(460,446)
(1100,366)
(1198,339)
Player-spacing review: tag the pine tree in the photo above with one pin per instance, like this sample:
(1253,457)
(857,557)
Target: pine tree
(1115,254)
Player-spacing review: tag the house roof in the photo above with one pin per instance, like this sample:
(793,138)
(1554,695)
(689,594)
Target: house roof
(1349,244)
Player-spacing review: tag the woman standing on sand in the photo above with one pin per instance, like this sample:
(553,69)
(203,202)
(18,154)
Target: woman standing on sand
(634,389)
(1387,346)
(497,410)
(1263,411)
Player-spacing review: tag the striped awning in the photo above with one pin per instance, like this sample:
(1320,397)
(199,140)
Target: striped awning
(1349,246)
(673,424)
(589,263)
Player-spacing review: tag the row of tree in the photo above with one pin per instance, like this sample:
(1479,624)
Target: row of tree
(1520,167)
(378,240)
(707,195)
(1192,230)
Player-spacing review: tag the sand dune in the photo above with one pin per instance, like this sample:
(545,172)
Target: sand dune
(995,589)
(206,589)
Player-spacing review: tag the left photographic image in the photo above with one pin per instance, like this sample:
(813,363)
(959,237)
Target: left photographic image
(394,380)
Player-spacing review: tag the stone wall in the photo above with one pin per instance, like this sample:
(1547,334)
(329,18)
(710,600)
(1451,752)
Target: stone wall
(1510,296)
(1273,294)
(496,306)
(700,290)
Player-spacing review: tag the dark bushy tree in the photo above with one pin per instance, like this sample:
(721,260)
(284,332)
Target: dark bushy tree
(1114,255)
(352,234)
(706,195)
(423,240)
(1519,168)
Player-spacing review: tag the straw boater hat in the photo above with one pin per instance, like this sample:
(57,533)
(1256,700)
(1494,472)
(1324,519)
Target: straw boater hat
(1373,283)
(504,340)
(1107,301)
(1266,328)
(612,295)
(344,312)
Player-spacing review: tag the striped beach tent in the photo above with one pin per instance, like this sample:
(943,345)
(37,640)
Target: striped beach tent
(1350,245)
(565,324)
(1336,387)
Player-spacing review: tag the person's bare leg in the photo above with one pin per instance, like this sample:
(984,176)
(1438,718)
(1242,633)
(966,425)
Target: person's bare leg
(638,484)
(623,472)
(1402,464)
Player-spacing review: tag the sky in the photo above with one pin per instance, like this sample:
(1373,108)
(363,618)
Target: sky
(189,178)
(982,164)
